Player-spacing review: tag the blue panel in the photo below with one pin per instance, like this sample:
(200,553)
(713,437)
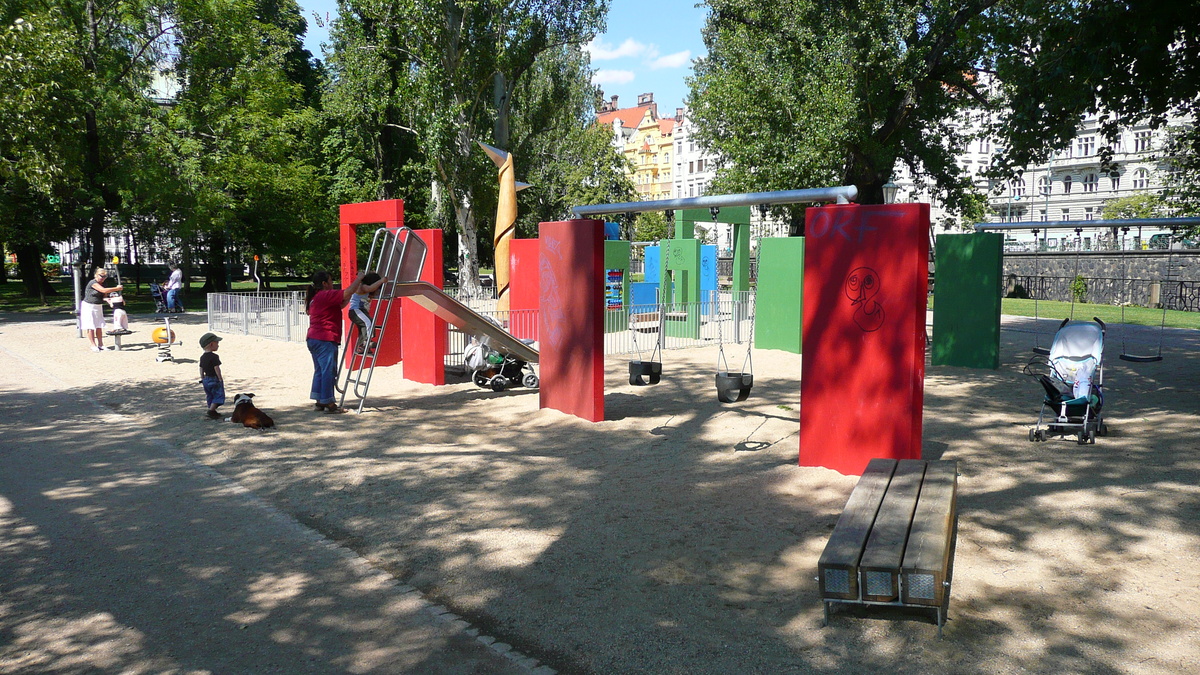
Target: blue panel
(612,230)
(652,263)
(708,268)
(643,293)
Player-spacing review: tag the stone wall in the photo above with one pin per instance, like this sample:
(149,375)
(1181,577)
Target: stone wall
(1111,277)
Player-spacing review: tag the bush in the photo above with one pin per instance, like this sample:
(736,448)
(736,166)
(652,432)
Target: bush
(1079,289)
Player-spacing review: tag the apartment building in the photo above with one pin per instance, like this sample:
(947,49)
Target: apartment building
(646,141)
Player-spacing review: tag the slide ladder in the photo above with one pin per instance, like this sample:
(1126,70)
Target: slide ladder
(398,256)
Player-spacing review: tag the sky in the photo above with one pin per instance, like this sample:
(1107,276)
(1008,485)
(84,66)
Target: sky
(646,49)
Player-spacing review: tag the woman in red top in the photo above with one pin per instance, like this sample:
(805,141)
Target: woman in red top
(324,305)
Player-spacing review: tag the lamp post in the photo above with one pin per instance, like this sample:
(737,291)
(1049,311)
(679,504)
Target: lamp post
(889,192)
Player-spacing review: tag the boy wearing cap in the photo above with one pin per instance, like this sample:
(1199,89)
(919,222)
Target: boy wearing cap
(210,375)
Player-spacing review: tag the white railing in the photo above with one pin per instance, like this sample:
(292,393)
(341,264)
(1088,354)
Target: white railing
(277,315)
(720,316)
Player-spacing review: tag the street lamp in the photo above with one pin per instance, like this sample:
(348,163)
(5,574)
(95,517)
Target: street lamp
(889,192)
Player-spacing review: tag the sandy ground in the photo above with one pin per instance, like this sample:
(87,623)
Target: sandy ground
(680,536)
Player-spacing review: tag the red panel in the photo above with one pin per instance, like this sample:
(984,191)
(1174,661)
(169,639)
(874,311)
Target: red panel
(571,320)
(863,367)
(367,213)
(388,213)
(524,289)
(424,335)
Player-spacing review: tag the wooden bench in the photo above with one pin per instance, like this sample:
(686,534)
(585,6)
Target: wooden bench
(894,542)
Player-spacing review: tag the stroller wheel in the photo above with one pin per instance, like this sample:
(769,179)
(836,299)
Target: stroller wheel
(1091,436)
(1103,431)
(1082,439)
(499,382)
(1041,434)
(479,379)
(530,380)
(1032,435)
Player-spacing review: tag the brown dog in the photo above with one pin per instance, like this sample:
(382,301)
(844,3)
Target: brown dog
(245,413)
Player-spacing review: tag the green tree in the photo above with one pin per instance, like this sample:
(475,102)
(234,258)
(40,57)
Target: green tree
(1144,205)
(452,72)
(800,93)
(247,138)
(1058,61)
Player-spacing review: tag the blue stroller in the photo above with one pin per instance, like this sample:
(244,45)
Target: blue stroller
(1074,388)
(160,298)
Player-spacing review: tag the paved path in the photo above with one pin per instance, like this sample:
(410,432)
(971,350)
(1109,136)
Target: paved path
(119,554)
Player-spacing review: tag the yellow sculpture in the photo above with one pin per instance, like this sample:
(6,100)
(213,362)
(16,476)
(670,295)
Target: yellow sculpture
(506,219)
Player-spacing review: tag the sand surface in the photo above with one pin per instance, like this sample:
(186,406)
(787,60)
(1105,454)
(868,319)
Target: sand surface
(680,536)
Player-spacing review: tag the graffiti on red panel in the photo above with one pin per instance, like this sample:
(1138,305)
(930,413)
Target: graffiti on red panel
(862,284)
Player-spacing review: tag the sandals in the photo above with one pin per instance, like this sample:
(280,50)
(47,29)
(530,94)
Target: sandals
(329,408)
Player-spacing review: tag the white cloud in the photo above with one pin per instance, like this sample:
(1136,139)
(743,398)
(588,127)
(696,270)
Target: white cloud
(613,77)
(675,60)
(602,51)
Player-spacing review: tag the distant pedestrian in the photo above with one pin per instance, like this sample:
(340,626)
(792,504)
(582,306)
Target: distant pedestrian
(173,286)
(324,305)
(210,375)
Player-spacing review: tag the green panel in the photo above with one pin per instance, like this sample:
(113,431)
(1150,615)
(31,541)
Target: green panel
(779,312)
(741,258)
(680,263)
(966,304)
(616,255)
(732,215)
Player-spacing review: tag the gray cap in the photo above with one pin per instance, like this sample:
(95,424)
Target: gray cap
(207,338)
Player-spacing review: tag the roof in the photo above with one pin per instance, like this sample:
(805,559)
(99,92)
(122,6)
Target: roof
(630,117)
(666,125)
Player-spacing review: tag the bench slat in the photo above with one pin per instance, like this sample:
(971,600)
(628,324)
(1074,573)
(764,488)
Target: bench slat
(838,566)
(879,567)
(927,557)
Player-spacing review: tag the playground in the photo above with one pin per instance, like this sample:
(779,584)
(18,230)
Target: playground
(679,535)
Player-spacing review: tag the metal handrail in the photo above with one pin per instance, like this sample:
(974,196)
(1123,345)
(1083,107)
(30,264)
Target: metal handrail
(842,195)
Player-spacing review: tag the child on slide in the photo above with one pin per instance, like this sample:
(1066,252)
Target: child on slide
(360,312)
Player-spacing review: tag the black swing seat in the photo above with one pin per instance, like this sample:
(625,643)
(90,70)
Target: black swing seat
(1044,351)
(651,370)
(734,387)
(1139,359)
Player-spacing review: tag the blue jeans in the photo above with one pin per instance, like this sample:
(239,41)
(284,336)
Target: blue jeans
(324,356)
(173,299)
(214,391)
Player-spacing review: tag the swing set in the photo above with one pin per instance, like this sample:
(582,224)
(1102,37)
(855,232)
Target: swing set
(731,386)
(1126,283)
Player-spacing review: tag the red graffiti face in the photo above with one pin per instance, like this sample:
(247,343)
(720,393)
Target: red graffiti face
(861,284)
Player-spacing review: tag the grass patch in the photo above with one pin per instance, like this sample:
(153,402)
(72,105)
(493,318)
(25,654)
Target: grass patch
(1140,316)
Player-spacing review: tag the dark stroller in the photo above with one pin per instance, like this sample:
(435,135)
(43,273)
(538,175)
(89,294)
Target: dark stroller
(160,298)
(1074,389)
(493,370)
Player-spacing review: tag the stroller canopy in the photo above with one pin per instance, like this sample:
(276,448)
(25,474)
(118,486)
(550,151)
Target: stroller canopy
(1078,340)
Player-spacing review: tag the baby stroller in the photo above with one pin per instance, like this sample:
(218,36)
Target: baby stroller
(492,369)
(1074,388)
(160,297)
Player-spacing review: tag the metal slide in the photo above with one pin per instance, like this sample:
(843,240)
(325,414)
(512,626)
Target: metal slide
(464,318)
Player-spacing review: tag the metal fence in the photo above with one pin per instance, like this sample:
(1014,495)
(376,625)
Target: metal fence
(277,315)
(719,317)
(1180,295)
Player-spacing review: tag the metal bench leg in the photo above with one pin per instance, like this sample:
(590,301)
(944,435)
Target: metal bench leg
(826,604)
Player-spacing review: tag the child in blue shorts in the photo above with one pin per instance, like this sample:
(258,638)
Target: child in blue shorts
(210,375)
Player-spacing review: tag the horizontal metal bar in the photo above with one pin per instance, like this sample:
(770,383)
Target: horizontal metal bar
(841,195)
(1163,223)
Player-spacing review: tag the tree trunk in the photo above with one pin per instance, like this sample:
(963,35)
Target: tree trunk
(29,263)
(214,265)
(468,246)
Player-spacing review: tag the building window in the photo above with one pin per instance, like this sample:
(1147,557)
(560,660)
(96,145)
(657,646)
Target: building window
(1141,179)
(1066,185)
(691,167)
(1086,146)
(1141,141)
(1087,213)
(1018,187)
(1116,180)
(1089,182)
(1066,214)
(1042,215)
(1044,186)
